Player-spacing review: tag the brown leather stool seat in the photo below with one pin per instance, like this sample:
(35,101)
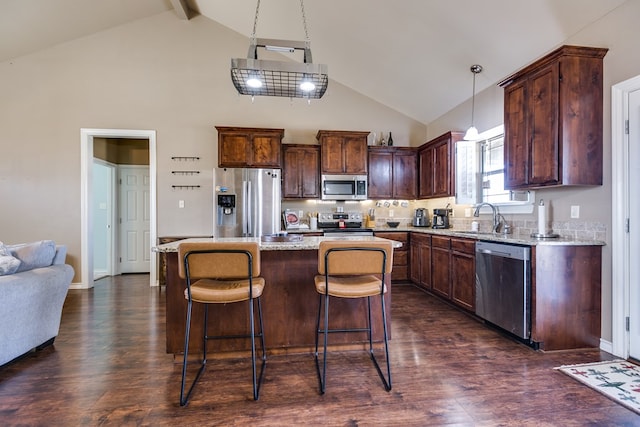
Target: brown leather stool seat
(221,273)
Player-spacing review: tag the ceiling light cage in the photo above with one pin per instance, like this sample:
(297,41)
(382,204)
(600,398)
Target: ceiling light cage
(279,78)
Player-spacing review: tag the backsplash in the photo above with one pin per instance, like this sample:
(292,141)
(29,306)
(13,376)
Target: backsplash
(403,212)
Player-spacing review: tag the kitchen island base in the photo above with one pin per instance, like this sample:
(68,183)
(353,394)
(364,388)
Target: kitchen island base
(290,307)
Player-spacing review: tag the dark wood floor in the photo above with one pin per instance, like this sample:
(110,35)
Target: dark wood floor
(109,367)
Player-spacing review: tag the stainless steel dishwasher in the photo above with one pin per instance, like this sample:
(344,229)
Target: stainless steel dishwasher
(503,286)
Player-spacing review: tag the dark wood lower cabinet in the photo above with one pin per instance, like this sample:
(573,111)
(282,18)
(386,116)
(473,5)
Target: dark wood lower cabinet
(565,286)
(463,273)
(400,270)
(420,260)
(566,296)
(440,266)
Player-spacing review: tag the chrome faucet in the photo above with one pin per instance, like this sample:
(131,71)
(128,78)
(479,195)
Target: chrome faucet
(496,215)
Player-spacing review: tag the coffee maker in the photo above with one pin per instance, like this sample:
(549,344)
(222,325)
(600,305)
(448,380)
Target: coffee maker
(441,218)
(421,218)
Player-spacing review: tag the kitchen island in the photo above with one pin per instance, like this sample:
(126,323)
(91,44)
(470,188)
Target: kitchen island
(289,303)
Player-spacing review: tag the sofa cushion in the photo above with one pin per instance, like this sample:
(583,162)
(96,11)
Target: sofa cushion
(34,255)
(8,263)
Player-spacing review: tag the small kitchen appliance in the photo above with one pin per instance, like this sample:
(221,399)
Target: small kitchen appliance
(441,218)
(421,218)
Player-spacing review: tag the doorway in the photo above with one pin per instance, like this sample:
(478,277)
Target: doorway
(87,220)
(625,124)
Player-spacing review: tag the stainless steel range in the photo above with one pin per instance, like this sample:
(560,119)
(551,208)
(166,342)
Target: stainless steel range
(342,224)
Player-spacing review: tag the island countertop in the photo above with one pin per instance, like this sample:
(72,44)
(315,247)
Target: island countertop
(307,243)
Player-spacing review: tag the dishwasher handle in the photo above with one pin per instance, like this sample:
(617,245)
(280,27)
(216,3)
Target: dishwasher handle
(494,253)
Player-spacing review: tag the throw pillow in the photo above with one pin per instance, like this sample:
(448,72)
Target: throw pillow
(34,255)
(8,264)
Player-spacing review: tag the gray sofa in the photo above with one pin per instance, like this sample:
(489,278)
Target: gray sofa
(31,296)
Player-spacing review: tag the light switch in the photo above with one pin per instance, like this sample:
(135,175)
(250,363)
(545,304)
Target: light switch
(575,211)
(181,204)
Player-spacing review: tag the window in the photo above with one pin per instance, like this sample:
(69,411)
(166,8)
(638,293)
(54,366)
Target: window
(480,174)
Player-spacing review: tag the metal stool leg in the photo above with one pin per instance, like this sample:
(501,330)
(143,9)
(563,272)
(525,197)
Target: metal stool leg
(184,399)
(385,381)
(322,375)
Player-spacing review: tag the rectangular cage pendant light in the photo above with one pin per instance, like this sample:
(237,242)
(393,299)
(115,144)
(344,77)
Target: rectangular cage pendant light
(255,77)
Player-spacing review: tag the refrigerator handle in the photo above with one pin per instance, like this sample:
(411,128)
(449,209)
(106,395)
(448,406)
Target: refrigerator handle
(244,208)
(249,209)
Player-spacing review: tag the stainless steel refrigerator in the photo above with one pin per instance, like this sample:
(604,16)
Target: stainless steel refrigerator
(247,202)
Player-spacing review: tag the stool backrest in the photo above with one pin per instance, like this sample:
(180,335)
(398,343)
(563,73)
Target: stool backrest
(348,258)
(215,261)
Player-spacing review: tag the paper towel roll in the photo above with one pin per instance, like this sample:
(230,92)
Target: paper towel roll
(542,219)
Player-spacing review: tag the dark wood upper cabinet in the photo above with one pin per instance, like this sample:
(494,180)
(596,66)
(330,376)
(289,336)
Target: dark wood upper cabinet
(300,167)
(249,147)
(553,120)
(392,173)
(436,166)
(343,152)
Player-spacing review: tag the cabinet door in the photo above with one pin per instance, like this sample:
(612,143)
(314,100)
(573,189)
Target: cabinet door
(265,151)
(442,169)
(441,266)
(233,149)
(355,155)
(332,154)
(380,175)
(310,172)
(404,174)
(300,178)
(414,262)
(544,168)
(516,147)
(420,260)
(463,280)
(425,266)
(425,169)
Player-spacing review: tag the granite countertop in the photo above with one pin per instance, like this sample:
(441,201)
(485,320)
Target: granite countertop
(518,239)
(307,243)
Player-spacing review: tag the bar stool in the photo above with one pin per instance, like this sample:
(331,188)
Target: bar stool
(221,273)
(349,269)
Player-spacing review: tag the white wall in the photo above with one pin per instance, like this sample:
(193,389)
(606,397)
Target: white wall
(159,73)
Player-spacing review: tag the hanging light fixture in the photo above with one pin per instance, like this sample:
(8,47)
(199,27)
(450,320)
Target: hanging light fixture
(472,132)
(254,77)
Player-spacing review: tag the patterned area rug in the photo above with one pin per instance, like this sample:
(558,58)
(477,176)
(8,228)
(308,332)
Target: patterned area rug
(617,379)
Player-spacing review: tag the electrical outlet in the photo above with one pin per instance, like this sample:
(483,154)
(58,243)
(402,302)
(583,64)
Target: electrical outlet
(467,212)
(575,212)
(390,213)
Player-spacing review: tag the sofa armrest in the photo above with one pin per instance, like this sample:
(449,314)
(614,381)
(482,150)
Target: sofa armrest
(61,255)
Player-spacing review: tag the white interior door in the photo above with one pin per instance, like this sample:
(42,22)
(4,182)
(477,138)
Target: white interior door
(104,175)
(634,221)
(135,252)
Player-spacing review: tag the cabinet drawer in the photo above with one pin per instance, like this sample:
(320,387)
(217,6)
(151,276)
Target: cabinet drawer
(440,242)
(467,246)
(398,236)
(420,239)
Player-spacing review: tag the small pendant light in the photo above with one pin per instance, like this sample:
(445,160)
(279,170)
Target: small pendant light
(472,132)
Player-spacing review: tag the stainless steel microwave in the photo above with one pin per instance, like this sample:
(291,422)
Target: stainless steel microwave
(344,187)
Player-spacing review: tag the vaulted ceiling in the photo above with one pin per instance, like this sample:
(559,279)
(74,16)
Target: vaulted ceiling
(411,55)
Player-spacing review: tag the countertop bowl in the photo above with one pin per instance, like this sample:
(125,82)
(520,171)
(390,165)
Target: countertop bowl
(393,224)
